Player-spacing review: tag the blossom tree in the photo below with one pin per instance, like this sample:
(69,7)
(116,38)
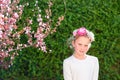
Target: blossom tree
(10,33)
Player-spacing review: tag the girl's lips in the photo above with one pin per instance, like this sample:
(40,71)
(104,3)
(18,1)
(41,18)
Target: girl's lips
(81,51)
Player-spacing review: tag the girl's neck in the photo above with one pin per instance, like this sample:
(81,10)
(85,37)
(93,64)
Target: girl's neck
(80,57)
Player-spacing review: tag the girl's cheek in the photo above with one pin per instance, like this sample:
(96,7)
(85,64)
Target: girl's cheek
(87,48)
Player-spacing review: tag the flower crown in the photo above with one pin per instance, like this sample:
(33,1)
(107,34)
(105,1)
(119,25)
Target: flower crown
(84,32)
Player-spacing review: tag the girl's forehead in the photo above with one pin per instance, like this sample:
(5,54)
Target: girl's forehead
(83,39)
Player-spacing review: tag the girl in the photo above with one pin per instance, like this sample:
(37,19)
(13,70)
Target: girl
(81,66)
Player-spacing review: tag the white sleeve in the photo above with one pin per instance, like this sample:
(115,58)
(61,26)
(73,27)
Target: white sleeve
(96,70)
(66,71)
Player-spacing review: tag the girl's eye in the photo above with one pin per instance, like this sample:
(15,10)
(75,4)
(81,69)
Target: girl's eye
(79,44)
(86,45)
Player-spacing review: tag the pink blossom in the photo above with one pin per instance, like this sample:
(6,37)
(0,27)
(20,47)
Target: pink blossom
(39,36)
(6,1)
(9,10)
(15,26)
(27,29)
(12,20)
(3,55)
(80,32)
(10,34)
(6,27)
(1,22)
(15,15)
(30,21)
(1,15)
(39,19)
(1,34)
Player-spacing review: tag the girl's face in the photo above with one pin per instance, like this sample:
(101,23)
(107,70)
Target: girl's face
(81,45)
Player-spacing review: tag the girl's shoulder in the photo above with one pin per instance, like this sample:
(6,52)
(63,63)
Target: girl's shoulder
(69,59)
(90,57)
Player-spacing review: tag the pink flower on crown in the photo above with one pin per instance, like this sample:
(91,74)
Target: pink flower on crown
(80,31)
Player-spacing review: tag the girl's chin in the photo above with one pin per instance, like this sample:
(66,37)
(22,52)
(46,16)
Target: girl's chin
(81,53)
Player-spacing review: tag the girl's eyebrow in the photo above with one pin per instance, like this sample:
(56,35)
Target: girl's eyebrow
(79,43)
(86,45)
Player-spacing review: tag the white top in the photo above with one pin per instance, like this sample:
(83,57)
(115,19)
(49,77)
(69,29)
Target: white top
(75,69)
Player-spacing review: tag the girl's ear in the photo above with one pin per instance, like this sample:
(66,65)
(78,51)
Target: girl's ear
(89,45)
(73,43)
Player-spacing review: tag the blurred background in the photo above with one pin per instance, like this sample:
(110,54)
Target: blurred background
(102,17)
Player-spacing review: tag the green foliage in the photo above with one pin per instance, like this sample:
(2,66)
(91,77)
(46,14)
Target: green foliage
(100,16)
